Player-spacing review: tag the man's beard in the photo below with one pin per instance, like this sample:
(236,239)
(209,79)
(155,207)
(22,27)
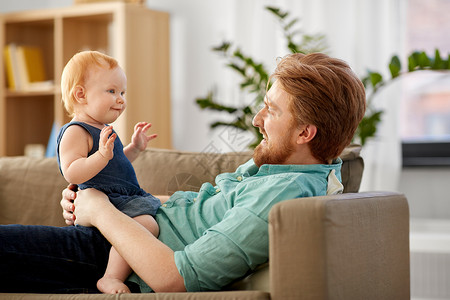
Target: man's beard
(273,154)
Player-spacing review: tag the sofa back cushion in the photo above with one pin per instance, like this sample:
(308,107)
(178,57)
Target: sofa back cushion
(162,172)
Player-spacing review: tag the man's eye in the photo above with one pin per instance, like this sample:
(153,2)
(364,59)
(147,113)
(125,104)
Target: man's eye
(122,93)
(111,91)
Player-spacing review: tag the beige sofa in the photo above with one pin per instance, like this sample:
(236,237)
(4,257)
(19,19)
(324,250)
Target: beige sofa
(349,246)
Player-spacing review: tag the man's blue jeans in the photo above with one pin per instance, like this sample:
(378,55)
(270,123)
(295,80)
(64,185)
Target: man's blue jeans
(43,259)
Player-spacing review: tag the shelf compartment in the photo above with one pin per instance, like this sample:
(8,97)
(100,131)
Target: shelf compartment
(29,121)
(34,33)
(87,33)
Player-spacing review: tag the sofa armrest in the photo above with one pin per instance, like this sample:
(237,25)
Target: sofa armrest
(349,246)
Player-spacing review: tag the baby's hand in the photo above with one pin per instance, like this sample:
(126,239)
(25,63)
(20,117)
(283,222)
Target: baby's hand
(140,139)
(106,142)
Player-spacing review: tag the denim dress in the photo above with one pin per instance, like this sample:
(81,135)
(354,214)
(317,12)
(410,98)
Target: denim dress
(118,179)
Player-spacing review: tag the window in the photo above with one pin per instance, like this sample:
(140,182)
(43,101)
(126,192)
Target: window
(425,107)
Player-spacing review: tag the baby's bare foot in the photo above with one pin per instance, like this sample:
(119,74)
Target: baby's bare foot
(112,286)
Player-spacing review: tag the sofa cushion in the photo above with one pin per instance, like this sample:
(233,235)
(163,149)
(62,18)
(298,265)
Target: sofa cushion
(30,191)
(30,188)
(162,172)
(352,168)
(227,295)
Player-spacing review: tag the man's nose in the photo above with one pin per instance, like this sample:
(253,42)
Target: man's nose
(257,119)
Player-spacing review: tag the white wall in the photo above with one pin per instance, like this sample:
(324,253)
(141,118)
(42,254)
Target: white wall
(19,5)
(428,192)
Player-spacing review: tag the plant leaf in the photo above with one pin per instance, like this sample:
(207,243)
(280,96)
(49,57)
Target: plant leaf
(247,83)
(208,103)
(277,12)
(235,124)
(223,47)
(238,54)
(424,61)
(375,78)
(290,24)
(411,63)
(237,68)
(395,66)
(368,126)
(437,64)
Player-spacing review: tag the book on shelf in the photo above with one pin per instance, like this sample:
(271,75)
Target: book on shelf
(25,68)
(52,140)
(11,66)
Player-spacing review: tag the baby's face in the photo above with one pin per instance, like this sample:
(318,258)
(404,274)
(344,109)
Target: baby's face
(105,94)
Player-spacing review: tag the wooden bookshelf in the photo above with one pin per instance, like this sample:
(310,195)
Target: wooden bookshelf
(135,35)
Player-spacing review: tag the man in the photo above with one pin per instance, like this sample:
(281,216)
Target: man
(210,238)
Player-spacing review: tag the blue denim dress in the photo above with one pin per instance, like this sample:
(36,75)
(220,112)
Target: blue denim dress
(118,179)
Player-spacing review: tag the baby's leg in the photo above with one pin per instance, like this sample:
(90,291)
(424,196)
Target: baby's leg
(149,223)
(116,272)
(118,269)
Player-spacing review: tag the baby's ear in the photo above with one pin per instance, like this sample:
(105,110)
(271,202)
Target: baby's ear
(80,94)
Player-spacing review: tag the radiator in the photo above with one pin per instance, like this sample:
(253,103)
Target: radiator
(430,259)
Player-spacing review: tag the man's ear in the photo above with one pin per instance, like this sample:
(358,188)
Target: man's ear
(79,93)
(306,134)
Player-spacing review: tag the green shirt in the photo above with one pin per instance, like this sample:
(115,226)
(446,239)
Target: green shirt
(221,233)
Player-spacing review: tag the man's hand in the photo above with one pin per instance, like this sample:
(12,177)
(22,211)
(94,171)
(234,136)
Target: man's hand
(68,196)
(80,207)
(91,205)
